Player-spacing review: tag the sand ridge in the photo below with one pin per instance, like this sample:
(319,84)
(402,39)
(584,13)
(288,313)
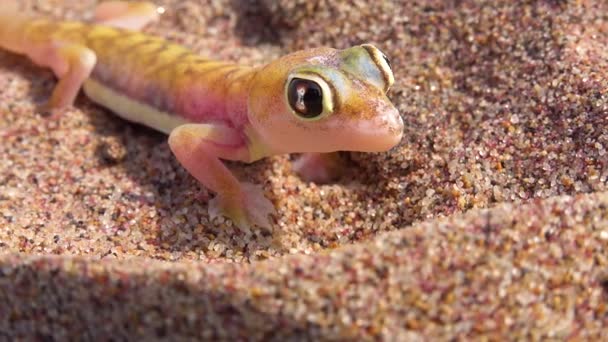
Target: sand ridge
(505,108)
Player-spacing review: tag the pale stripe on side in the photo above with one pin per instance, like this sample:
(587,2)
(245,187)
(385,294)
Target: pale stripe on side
(130,109)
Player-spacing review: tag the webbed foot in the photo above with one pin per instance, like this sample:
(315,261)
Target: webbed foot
(319,167)
(248,208)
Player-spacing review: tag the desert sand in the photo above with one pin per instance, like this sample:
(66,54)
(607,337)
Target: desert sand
(490,219)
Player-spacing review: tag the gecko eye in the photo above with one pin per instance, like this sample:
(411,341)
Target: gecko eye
(383,63)
(305,98)
(388,62)
(309,95)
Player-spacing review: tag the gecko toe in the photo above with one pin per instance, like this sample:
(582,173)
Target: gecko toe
(258,208)
(250,208)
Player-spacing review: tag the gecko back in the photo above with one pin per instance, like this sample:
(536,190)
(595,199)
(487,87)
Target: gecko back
(149,70)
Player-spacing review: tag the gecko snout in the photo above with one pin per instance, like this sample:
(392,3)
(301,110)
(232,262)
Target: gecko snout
(394,123)
(391,124)
(379,134)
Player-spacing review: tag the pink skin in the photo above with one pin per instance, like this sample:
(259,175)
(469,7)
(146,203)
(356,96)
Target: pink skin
(318,167)
(71,63)
(200,105)
(133,15)
(203,105)
(236,116)
(366,120)
(198,148)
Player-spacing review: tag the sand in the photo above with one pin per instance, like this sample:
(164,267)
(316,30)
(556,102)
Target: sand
(490,219)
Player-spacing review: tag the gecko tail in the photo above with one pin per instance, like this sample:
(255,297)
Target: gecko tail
(12,21)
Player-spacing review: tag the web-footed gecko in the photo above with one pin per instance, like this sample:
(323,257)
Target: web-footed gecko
(314,101)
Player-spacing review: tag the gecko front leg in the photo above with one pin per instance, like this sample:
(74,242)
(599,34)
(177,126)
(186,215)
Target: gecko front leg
(199,147)
(71,63)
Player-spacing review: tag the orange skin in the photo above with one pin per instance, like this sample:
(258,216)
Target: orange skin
(316,101)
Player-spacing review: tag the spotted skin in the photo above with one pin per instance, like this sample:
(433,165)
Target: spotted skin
(215,110)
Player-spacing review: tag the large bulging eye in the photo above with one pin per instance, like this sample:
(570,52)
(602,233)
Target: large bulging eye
(305,98)
(388,62)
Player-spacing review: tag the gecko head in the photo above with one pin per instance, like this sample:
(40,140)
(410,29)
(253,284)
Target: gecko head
(326,100)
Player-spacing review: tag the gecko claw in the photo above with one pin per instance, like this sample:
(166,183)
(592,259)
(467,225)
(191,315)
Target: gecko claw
(48,110)
(249,208)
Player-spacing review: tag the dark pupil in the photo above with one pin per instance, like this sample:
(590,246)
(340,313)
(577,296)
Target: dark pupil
(387,61)
(305,98)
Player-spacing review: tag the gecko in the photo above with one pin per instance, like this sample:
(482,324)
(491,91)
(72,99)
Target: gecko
(315,102)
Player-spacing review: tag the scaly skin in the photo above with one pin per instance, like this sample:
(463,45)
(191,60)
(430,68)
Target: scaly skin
(152,71)
(321,100)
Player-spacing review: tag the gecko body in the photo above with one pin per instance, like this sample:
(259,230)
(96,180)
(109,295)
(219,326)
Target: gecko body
(318,101)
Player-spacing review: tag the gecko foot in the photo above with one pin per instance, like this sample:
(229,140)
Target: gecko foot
(319,167)
(51,112)
(249,208)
